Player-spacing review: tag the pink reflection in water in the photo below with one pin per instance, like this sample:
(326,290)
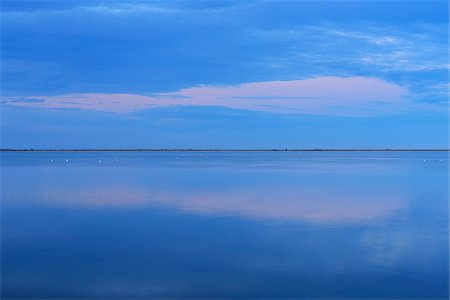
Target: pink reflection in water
(272,202)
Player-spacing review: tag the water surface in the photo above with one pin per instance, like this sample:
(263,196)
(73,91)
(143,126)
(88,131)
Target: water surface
(220,225)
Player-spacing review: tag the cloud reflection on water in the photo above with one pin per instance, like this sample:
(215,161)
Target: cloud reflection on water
(278,202)
(333,226)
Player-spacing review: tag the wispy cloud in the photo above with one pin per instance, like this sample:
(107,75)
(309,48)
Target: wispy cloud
(378,49)
(321,95)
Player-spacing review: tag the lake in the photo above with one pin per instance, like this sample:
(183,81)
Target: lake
(221,225)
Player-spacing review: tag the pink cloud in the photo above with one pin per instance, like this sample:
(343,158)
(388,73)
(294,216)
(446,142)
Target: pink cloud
(320,96)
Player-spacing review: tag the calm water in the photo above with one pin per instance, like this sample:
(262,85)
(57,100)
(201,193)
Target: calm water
(271,225)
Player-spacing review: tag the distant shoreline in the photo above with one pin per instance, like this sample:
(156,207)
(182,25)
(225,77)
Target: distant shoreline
(222,150)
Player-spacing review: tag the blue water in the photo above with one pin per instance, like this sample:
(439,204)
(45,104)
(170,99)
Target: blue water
(221,225)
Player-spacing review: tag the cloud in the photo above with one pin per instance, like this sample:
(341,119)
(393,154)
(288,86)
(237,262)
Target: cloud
(159,46)
(376,49)
(318,96)
(26,100)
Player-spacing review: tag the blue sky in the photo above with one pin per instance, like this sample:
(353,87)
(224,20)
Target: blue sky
(224,74)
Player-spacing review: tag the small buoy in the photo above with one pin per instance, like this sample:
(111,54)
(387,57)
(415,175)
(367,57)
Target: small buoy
(67,160)
(51,160)
(99,160)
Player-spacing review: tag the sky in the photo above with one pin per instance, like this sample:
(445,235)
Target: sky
(224,74)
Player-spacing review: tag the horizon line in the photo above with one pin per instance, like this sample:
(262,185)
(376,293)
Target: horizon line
(218,150)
